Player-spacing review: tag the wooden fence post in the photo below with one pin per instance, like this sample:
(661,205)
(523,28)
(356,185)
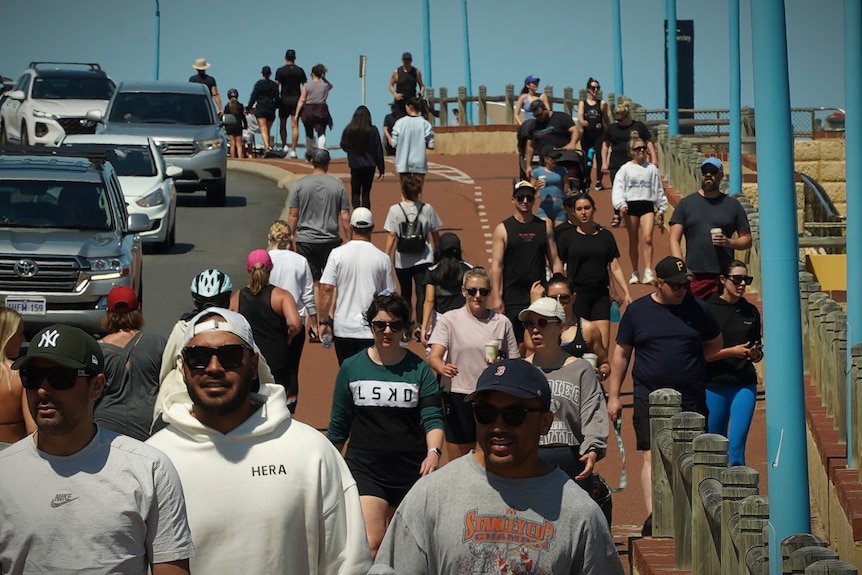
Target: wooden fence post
(569,104)
(856,374)
(753,517)
(549,93)
(663,404)
(805,556)
(443,107)
(831,566)
(737,483)
(509,101)
(793,542)
(483,105)
(710,459)
(686,426)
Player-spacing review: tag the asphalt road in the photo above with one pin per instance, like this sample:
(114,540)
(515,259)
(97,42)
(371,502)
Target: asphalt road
(208,237)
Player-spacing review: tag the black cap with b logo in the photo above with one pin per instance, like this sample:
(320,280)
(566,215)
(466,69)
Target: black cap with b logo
(66,346)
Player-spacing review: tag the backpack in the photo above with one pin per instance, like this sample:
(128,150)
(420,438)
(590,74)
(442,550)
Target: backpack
(411,238)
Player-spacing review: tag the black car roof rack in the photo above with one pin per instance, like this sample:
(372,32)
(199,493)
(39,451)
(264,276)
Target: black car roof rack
(68,151)
(90,65)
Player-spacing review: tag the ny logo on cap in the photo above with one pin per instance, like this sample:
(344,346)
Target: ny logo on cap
(679,265)
(500,371)
(49,338)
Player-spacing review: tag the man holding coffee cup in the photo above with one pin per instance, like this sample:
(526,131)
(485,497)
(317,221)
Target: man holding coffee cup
(708,219)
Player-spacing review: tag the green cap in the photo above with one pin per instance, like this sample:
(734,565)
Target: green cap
(66,346)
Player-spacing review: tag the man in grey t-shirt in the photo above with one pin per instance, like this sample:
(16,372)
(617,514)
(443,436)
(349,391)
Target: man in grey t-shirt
(317,210)
(500,508)
(77,498)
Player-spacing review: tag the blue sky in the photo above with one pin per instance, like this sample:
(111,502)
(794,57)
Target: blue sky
(562,42)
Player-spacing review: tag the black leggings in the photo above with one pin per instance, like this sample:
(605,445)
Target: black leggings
(593,139)
(406,278)
(360,187)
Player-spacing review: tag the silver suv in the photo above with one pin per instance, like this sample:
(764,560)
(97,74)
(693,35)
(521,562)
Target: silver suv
(51,100)
(183,121)
(66,238)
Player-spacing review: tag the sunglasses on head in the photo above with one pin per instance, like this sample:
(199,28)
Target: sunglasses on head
(737,279)
(198,356)
(562,298)
(525,198)
(380,326)
(640,149)
(482,291)
(541,323)
(58,378)
(513,415)
(678,286)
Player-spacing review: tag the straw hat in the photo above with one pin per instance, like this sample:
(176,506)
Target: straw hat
(201,64)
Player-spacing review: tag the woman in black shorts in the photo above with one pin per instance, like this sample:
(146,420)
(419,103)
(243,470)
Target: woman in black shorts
(591,255)
(637,193)
(265,101)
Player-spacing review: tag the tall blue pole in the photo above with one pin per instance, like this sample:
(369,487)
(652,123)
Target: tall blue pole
(785,406)
(467,69)
(735,103)
(426,36)
(618,50)
(672,69)
(853,179)
(158,38)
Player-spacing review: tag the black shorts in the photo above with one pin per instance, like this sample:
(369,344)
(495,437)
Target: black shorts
(316,254)
(287,107)
(593,304)
(640,207)
(512,312)
(458,422)
(268,113)
(384,474)
(640,419)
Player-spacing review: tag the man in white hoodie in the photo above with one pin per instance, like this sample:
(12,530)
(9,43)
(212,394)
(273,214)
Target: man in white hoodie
(265,493)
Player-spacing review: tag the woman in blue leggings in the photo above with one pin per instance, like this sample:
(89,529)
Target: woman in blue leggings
(731,381)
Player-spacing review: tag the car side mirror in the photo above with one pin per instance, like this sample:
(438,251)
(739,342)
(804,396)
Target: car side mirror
(138,223)
(173,171)
(17,95)
(94,115)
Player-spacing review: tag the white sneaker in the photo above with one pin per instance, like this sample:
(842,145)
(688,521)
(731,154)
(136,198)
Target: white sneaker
(292,153)
(649,276)
(321,142)
(285,149)
(635,278)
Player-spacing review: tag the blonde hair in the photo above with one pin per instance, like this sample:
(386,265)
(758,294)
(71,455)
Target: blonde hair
(258,278)
(477,272)
(279,234)
(10,321)
(634,138)
(623,109)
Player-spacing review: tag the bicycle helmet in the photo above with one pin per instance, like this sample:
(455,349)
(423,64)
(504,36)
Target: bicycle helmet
(211,287)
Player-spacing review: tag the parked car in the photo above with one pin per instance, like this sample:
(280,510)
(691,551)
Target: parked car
(183,121)
(51,100)
(147,182)
(66,238)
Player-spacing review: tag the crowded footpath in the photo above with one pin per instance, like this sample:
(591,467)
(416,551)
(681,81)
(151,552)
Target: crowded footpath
(471,405)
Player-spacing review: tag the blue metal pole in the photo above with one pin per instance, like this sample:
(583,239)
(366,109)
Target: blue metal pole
(467,69)
(426,33)
(672,69)
(735,103)
(785,407)
(618,50)
(158,38)
(853,177)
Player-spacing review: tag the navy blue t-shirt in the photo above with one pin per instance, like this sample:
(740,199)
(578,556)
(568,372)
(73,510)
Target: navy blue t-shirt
(668,345)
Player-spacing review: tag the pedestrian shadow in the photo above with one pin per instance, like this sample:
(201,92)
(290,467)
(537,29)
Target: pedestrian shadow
(199,200)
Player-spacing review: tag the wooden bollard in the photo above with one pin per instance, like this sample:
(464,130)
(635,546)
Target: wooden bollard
(793,542)
(737,483)
(686,426)
(753,517)
(831,566)
(710,459)
(800,559)
(663,404)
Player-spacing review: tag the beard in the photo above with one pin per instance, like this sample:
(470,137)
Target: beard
(221,405)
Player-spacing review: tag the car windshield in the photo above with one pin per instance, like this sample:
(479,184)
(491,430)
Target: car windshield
(162,108)
(46,204)
(74,88)
(131,160)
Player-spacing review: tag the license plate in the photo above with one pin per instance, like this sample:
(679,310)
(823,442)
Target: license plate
(27,306)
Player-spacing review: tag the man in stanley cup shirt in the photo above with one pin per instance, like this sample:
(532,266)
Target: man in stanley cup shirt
(500,509)
(708,219)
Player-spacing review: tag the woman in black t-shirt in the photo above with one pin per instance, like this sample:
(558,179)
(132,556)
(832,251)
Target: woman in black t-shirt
(265,101)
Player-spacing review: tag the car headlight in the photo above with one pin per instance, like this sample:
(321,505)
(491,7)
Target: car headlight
(109,268)
(38,114)
(152,200)
(212,144)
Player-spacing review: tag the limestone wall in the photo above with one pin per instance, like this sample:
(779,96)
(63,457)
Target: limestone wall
(823,160)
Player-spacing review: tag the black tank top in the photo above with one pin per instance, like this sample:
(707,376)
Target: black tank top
(269,328)
(406,82)
(524,258)
(578,346)
(593,115)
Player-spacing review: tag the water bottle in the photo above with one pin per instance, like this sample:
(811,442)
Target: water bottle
(615,312)
(326,340)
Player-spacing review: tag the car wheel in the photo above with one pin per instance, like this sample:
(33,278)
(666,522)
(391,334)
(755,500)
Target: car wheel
(164,246)
(216,193)
(25,137)
(172,236)
(4,139)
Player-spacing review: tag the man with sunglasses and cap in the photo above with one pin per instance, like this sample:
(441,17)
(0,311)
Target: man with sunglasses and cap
(521,247)
(708,220)
(671,333)
(504,509)
(266,493)
(76,497)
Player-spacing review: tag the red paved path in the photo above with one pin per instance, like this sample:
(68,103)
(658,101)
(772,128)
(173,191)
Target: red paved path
(463,204)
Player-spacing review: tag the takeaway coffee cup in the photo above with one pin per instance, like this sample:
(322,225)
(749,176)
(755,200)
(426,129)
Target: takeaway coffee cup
(715,232)
(492,351)
(592,358)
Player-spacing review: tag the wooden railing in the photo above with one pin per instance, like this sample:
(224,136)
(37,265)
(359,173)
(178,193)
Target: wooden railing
(714,513)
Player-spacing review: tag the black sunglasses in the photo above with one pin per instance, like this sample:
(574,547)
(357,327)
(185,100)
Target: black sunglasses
(229,356)
(640,149)
(562,298)
(380,326)
(482,291)
(58,378)
(595,87)
(542,323)
(678,287)
(737,279)
(513,415)
(525,198)
(709,171)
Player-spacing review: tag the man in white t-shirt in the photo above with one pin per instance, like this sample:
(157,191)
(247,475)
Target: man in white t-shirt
(76,497)
(360,271)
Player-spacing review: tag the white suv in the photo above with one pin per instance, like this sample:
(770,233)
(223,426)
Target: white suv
(51,100)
